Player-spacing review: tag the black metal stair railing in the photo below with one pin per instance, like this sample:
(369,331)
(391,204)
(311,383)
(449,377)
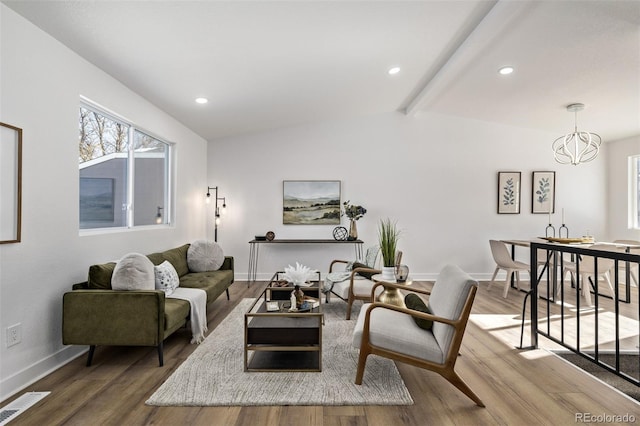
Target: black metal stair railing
(602,333)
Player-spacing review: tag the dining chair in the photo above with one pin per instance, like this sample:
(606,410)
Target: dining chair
(587,268)
(503,260)
(622,266)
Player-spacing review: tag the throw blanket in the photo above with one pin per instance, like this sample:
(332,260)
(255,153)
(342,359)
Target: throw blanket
(336,277)
(198,300)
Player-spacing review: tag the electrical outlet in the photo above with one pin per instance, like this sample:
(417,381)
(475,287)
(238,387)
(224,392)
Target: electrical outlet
(14,335)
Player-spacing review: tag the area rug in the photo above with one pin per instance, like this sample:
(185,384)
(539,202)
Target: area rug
(213,375)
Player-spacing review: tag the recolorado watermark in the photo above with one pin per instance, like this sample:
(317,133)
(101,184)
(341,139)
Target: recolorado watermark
(605,418)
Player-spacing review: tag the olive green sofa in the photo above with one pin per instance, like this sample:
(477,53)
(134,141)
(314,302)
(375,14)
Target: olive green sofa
(95,315)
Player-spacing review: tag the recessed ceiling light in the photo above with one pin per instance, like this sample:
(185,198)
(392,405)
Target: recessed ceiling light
(394,70)
(505,70)
(202,100)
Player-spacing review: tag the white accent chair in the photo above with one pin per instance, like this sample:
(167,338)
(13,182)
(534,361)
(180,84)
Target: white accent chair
(352,285)
(503,260)
(390,331)
(587,268)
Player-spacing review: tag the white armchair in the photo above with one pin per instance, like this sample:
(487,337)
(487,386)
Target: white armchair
(391,332)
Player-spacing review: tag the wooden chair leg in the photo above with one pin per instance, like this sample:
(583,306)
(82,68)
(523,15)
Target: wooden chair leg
(456,381)
(362,362)
(349,305)
(507,284)
(495,273)
(228,298)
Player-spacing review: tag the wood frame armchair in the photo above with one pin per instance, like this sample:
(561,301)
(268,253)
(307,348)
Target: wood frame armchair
(376,332)
(358,288)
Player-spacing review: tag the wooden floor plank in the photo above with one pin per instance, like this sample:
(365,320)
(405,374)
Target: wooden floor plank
(518,387)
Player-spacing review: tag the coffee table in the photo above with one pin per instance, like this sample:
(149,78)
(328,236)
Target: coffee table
(281,340)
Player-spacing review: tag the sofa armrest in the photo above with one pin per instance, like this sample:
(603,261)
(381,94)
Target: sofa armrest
(228,264)
(110,317)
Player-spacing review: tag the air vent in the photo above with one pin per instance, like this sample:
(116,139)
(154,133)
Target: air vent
(19,406)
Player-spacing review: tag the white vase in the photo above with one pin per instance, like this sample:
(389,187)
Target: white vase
(388,273)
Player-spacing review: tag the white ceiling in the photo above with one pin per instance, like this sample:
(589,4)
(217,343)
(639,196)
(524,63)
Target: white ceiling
(271,64)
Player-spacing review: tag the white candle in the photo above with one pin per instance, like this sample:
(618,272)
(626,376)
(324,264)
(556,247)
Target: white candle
(549,215)
(563,215)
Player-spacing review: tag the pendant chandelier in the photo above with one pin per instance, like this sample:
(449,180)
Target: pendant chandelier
(576,147)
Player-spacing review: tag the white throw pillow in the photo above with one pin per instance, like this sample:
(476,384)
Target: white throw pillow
(133,272)
(167,278)
(204,255)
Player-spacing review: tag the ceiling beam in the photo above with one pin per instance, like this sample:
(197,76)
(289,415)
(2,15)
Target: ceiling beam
(489,23)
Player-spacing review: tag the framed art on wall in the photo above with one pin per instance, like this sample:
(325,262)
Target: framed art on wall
(509,192)
(10,183)
(311,202)
(543,192)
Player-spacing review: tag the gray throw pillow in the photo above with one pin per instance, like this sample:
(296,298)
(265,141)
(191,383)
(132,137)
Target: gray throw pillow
(133,272)
(204,255)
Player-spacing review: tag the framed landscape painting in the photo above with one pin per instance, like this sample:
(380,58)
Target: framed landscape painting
(10,183)
(311,202)
(509,192)
(543,192)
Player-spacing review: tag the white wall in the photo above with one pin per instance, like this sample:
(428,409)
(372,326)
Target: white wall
(41,82)
(617,188)
(436,175)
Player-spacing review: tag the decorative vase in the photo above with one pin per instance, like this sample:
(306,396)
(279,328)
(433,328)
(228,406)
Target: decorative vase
(401,273)
(388,273)
(353,231)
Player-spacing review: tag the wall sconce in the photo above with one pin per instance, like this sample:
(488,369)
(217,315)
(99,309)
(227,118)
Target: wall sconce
(159,215)
(217,209)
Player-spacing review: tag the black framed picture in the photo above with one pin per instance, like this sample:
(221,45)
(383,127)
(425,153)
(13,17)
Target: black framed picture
(509,192)
(543,192)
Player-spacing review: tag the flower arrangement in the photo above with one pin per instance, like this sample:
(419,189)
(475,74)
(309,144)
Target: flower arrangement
(353,212)
(298,275)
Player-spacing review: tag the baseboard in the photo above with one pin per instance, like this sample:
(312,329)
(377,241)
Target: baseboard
(26,377)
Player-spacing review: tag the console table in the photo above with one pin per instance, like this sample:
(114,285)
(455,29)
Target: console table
(254,249)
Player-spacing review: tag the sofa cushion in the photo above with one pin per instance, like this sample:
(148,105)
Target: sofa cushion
(448,297)
(100,276)
(166,277)
(178,258)
(133,272)
(204,255)
(213,282)
(176,312)
(383,332)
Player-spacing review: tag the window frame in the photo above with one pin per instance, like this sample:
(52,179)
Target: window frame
(169,175)
(634,192)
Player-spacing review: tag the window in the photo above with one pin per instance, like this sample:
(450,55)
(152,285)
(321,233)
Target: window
(634,192)
(124,173)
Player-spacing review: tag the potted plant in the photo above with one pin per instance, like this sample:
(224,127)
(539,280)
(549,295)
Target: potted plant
(388,236)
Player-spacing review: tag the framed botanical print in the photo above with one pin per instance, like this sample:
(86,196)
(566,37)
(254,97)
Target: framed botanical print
(509,192)
(543,192)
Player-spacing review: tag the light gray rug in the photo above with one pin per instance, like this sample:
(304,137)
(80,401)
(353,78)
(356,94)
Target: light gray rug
(214,374)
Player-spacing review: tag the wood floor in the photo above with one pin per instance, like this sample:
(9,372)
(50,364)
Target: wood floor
(518,387)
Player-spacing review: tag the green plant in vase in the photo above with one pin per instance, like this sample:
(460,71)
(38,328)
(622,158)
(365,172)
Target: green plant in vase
(388,236)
